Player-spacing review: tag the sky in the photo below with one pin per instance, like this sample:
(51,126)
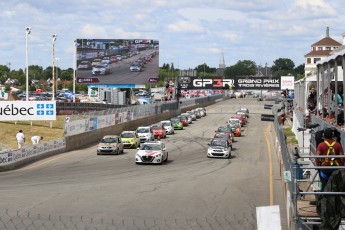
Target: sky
(190,33)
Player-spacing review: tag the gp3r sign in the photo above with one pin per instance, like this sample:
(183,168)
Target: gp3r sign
(27,110)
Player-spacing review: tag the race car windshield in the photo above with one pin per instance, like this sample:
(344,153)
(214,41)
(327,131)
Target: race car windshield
(127,135)
(165,124)
(220,136)
(109,140)
(219,143)
(156,127)
(222,129)
(143,130)
(150,147)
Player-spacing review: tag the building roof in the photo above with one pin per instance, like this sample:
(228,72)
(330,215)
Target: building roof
(318,53)
(327,41)
(262,70)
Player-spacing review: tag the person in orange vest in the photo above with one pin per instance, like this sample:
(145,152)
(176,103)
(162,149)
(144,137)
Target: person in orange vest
(325,148)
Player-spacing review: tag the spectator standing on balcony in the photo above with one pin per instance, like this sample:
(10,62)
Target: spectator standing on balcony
(330,118)
(311,101)
(20,139)
(328,147)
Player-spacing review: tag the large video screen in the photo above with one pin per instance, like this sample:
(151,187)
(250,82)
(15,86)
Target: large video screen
(117,61)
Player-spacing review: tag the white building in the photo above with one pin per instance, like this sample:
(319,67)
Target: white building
(319,51)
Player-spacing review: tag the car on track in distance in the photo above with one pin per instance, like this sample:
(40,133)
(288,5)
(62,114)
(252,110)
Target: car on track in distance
(226,129)
(219,148)
(192,115)
(242,118)
(203,110)
(235,119)
(244,111)
(84,65)
(167,125)
(119,57)
(197,113)
(235,128)
(130,139)
(184,120)
(96,61)
(176,123)
(110,144)
(158,131)
(106,60)
(224,135)
(100,70)
(135,68)
(145,133)
(189,118)
(113,59)
(152,152)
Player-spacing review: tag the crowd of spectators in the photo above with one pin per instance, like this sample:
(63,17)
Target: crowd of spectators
(325,113)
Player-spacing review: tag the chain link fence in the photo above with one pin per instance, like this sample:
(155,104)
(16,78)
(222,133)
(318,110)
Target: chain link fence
(138,111)
(34,221)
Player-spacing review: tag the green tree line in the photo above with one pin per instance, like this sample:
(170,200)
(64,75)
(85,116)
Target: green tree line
(280,67)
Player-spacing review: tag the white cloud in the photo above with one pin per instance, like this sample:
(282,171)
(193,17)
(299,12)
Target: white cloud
(185,26)
(188,31)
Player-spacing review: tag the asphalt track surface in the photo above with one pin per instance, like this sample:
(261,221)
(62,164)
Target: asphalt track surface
(121,74)
(214,193)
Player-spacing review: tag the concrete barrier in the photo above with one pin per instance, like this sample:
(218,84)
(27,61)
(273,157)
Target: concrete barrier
(78,141)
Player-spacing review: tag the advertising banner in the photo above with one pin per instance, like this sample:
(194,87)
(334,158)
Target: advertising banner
(12,156)
(236,83)
(287,82)
(27,110)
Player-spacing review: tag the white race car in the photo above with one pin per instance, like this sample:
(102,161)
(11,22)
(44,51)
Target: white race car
(219,148)
(154,152)
(145,133)
(167,125)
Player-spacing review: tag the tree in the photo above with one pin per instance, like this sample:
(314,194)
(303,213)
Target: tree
(4,73)
(66,74)
(47,73)
(35,72)
(283,64)
(204,70)
(241,68)
(299,71)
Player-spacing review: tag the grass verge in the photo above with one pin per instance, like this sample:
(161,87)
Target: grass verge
(290,136)
(9,130)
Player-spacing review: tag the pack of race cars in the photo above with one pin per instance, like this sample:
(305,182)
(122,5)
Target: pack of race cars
(224,137)
(147,139)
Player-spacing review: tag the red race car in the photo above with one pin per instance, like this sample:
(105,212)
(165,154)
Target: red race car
(184,120)
(159,131)
(224,135)
(243,118)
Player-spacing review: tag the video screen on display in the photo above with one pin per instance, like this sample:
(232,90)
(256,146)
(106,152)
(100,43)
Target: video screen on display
(116,61)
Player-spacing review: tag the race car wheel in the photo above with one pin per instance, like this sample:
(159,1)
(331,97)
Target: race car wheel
(166,160)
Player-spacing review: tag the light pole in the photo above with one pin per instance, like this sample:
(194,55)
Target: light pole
(74,66)
(57,73)
(54,36)
(28,31)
